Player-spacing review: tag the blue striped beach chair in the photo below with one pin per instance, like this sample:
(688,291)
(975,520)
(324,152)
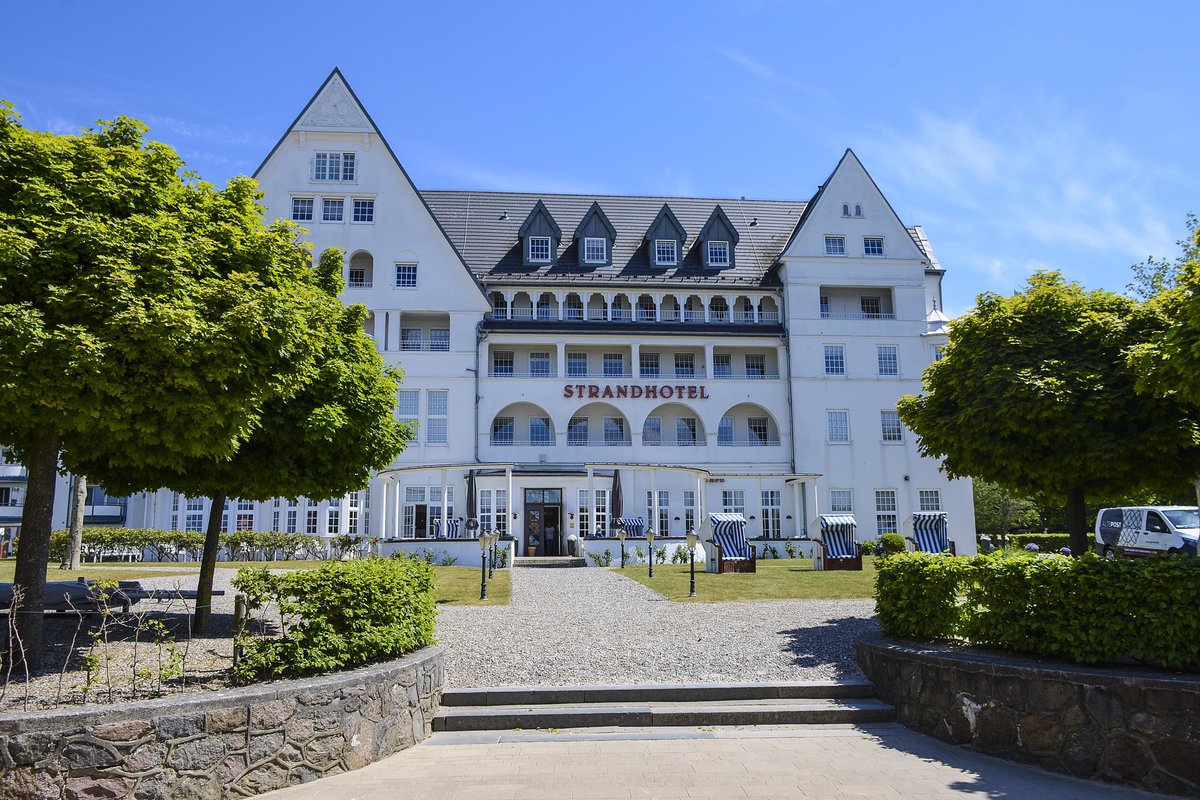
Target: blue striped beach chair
(931,533)
(634,526)
(730,552)
(838,548)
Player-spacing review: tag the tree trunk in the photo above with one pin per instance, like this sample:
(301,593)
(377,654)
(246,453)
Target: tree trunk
(1197,490)
(1077,521)
(33,547)
(78,499)
(208,564)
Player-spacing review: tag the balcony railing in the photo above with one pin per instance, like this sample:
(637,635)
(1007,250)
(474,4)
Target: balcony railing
(856,315)
(521,442)
(359,283)
(672,442)
(511,374)
(425,346)
(641,315)
(766,376)
(599,443)
(747,442)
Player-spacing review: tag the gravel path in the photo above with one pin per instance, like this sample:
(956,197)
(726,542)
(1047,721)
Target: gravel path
(591,625)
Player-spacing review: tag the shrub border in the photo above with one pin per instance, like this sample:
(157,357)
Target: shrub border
(236,742)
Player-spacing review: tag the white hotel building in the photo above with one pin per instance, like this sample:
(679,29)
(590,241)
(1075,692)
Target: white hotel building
(726,355)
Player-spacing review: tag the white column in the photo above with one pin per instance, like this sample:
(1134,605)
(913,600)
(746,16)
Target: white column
(657,298)
(608,303)
(708,360)
(383,507)
(397,512)
(591,477)
(508,301)
(635,359)
(561,360)
(445,503)
(654,501)
(707,312)
(512,504)
(561,299)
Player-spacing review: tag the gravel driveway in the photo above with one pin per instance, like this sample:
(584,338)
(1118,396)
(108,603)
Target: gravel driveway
(591,625)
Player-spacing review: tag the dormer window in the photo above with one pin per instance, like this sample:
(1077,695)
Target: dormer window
(539,249)
(339,167)
(718,254)
(666,252)
(595,250)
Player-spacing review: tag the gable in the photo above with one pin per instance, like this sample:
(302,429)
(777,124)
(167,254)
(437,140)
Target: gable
(666,226)
(595,223)
(540,223)
(719,228)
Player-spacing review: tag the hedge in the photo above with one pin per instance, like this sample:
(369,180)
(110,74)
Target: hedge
(1046,542)
(167,544)
(341,615)
(1087,609)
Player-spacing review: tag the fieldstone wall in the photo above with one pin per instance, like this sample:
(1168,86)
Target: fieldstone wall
(227,744)
(1135,727)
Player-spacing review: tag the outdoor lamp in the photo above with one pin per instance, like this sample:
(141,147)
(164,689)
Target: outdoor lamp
(491,537)
(650,548)
(621,536)
(691,543)
(484,542)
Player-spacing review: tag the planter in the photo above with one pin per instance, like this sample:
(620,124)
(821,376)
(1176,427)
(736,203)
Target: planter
(531,550)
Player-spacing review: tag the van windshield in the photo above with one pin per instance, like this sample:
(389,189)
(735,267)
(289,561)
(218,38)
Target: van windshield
(1184,517)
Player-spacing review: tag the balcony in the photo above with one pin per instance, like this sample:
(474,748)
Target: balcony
(502,442)
(673,442)
(358,283)
(442,345)
(763,376)
(492,373)
(722,442)
(599,443)
(856,315)
(685,316)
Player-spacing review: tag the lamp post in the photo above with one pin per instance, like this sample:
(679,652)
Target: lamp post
(484,543)
(621,536)
(492,539)
(650,548)
(691,540)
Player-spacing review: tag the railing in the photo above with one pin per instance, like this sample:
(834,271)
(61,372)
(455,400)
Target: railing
(671,375)
(673,442)
(359,284)
(425,346)
(510,374)
(747,442)
(599,442)
(646,315)
(856,315)
(766,376)
(522,442)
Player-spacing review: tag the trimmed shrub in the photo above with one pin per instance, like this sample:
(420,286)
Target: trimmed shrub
(890,544)
(343,614)
(162,545)
(870,547)
(1087,609)
(1046,542)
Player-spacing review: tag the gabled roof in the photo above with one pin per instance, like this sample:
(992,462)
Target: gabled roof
(718,214)
(669,215)
(344,118)
(540,210)
(598,213)
(484,227)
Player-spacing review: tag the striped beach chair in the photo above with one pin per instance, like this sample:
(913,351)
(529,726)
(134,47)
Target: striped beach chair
(453,529)
(930,533)
(634,526)
(838,548)
(730,552)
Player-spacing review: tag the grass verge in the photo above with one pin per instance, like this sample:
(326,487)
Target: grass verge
(790,579)
(460,586)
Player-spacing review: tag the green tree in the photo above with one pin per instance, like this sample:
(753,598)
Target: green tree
(145,317)
(1000,510)
(323,442)
(1034,393)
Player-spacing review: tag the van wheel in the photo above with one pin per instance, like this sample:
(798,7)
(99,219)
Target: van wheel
(1110,552)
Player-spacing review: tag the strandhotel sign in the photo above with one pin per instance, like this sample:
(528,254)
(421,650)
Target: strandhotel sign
(592,391)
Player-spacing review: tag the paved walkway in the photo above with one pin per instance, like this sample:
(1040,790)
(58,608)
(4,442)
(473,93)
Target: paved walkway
(880,762)
(591,625)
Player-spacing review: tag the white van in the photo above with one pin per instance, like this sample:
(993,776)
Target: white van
(1147,530)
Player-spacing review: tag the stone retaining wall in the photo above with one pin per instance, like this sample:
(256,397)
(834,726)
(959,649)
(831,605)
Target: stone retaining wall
(1135,727)
(228,744)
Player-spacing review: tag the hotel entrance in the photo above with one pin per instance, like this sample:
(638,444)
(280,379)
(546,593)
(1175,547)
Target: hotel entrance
(543,522)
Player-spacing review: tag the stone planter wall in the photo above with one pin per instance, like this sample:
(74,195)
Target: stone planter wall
(226,744)
(1135,727)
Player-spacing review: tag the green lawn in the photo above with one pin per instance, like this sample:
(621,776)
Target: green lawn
(460,586)
(784,579)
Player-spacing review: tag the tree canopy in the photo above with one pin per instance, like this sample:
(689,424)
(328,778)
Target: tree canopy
(1034,393)
(146,317)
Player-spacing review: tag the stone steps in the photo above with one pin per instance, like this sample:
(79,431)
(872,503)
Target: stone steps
(806,703)
(549,561)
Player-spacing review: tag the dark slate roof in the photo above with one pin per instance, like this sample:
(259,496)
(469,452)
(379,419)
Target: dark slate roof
(483,227)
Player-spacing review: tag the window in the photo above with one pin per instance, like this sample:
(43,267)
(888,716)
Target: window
(685,430)
(574,308)
(406,276)
(733,501)
(938,352)
(595,250)
(872,246)
(824,305)
(500,521)
(845,209)
(841,501)
(333,518)
(302,209)
(858,210)
(1155,524)
(890,422)
(648,364)
(685,365)
(311,516)
(539,430)
(502,430)
(292,516)
(871,307)
(437,403)
(577,431)
(888,358)
(332,209)
(352,514)
(364,211)
(652,431)
(718,254)
(593,517)
(545,307)
(244,521)
(929,500)
(837,426)
(614,430)
(439,339)
(725,431)
(689,510)
(756,430)
(410,338)
(772,503)
(502,362)
(665,252)
(722,365)
(660,522)
(756,366)
(333,167)
(539,248)
(885,511)
(835,359)
(539,364)
(835,245)
(614,365)
(577,365)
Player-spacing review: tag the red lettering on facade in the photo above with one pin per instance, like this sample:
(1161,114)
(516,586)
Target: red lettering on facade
(703,392)
(651,392)
(679,391)
(693,392)
(622,391)
(568,390)
(593,390)
(635,392)
(667,392)
(608,392)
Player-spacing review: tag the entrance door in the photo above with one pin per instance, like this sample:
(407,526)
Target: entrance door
(543,522)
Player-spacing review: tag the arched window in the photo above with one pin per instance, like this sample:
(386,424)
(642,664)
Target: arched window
(858,209)
(845,209)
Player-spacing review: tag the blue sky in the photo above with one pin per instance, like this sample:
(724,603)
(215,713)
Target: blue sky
(1022,135)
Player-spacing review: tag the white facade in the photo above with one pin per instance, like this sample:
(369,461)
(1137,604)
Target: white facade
(767,389)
